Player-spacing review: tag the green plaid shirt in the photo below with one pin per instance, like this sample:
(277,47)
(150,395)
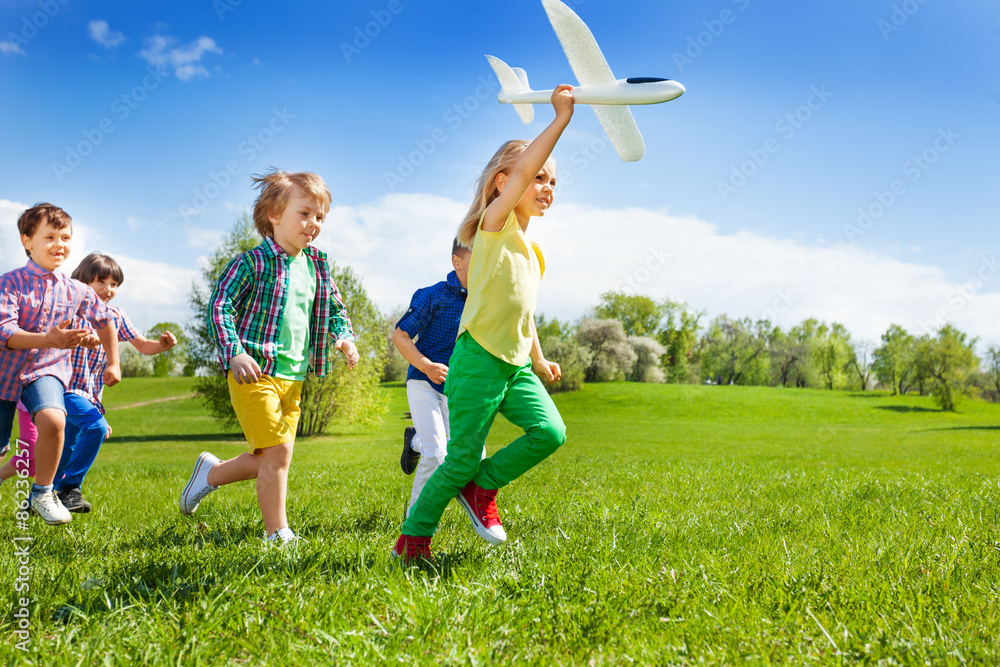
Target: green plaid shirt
(246,307)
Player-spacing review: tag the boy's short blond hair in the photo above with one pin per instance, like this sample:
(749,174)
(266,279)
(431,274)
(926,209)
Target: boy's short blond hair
(276,189)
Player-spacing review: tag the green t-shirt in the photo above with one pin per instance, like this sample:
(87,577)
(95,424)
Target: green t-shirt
(293,339)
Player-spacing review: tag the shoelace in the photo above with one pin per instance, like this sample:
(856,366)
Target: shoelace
(490,510)
(417,550)
(202,492)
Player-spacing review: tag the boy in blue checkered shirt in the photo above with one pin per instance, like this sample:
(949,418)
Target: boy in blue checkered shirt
(433,318)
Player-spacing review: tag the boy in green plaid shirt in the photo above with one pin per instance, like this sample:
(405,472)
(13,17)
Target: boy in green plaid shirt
(270,315)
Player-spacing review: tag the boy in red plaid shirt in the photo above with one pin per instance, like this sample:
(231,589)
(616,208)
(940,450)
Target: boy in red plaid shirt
(85,433)
(36,305)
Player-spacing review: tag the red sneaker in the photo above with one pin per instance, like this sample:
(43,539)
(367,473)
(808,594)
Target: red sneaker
(411,549)
(481,506)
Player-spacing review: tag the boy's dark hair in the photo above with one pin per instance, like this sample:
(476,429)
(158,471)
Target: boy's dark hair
(98,266)
(29,221)
(459,249)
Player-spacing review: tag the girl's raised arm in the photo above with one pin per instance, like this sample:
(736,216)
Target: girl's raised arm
(530,163)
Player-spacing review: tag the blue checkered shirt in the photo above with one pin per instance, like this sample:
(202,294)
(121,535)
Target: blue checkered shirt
(433,318)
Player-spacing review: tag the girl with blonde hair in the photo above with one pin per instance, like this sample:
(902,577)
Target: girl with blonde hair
(491,369)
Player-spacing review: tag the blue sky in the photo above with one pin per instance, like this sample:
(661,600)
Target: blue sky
(145,120)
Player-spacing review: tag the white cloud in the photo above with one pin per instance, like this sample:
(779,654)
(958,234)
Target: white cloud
(11,252)
(10,49)
(101,33)
(185,60)
(401,242)
(203,238)
(154,291)
(397,244)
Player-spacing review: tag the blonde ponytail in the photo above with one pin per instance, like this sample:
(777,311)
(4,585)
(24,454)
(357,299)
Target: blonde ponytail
(502,162)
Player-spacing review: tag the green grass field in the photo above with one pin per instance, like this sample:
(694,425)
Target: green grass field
(678,525)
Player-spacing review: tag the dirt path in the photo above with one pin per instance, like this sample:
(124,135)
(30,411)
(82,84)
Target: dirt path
(158,400)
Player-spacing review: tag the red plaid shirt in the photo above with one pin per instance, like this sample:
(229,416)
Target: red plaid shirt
(89,365)
(34,300)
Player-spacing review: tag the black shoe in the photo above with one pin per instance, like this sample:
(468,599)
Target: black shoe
(408,461)
(72,500)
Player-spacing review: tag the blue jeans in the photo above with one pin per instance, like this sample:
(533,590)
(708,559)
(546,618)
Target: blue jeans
(85,433)
(45,392)
(7,410)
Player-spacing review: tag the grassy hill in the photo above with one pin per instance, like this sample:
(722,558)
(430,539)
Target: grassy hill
(679,524)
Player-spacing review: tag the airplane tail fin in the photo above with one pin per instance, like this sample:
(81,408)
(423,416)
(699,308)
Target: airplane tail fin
(513,80)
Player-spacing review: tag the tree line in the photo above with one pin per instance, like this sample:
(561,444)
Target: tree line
(624,338)
(636,338)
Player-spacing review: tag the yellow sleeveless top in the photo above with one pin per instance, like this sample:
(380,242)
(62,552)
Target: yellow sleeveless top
(504,272)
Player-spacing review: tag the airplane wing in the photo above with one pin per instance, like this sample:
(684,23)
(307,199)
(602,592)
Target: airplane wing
(618,122)
(591,68)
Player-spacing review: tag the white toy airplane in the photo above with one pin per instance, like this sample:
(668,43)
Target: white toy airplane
(597,84)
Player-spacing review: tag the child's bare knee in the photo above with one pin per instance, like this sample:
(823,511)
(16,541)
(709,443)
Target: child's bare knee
(50,419)
(277,457)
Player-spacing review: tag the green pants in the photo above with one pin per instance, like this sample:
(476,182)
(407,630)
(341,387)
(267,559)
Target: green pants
(478,387)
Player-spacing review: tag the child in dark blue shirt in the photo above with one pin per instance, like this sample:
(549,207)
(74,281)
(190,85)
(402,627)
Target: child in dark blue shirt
(432,318)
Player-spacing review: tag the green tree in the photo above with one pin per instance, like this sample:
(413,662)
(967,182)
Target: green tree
(789,352)
(892,360)
(949,361)
(553,328)
(921,362)
(648,356)
(134,364)
(639,315)
(573,359)
(350,396)
(735,351)
(174,360)
(992,369)
(612,356)
(832,352)
(861,361)
(678,334)
(395,365)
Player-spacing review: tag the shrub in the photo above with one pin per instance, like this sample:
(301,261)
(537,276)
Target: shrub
(573,360)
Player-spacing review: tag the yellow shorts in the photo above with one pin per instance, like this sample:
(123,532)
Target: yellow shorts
(268,410)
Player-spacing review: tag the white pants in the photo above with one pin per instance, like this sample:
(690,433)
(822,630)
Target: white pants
(429,412)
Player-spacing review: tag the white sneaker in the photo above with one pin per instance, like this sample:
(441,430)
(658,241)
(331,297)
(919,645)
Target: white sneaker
(283,536)
(198,487)
(47,506)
